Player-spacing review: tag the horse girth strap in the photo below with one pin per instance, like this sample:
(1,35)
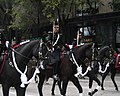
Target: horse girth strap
(19,53)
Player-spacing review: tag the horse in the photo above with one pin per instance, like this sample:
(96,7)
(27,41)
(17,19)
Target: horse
(68,70)
(14,66)
(105,57)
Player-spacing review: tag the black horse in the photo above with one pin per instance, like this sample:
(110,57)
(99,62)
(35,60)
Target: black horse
(14,66)
(68,68)
(107,61)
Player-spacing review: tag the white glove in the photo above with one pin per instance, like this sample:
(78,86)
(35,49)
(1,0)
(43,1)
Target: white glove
(7,44)
(89,68)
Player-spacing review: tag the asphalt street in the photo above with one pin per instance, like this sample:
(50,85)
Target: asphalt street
(72,90)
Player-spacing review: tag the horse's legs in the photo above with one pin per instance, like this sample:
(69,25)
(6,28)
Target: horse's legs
(113,73)
(90,86)
(64,86)
(53,86)
(46,80)
(40,84)
(20,91)
(92,76)
(103,78)
(77,84)
(5,89)
(36,78)
(59,85)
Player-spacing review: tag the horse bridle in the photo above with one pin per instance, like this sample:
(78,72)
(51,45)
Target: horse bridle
(48,50)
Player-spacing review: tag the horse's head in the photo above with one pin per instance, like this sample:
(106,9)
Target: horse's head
(105,52)
(44,52)
(37,49)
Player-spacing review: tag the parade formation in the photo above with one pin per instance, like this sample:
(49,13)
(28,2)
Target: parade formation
(69,48)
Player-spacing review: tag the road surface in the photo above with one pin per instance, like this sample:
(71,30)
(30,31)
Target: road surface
(72,90)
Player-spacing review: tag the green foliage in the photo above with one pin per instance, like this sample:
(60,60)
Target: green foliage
(24,14)
(65,7)
(5,12)
(50,8)
(116,5)
(53,8)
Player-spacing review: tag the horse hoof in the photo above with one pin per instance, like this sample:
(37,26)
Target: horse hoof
(102,89)
(93,92)
(53,94)
(89,93)
(116,89)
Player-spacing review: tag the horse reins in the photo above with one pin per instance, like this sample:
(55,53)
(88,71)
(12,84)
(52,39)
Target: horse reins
(19,53)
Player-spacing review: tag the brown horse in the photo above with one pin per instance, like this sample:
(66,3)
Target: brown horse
(68,69)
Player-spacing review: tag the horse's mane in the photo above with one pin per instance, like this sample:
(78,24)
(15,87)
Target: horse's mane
(103,49)
(26,44)
(84,47)
(81,52)
(102,52)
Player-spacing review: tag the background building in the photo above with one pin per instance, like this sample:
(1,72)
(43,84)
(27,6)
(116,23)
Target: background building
(105,6)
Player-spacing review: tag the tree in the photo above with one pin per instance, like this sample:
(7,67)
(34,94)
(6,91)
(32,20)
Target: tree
(27,16)
(24,14)
(115,5)
(65,9)
(5,16)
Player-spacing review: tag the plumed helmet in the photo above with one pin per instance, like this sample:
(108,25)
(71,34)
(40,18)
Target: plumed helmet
(56,22)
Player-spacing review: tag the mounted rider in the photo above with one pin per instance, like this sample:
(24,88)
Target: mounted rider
(55,42)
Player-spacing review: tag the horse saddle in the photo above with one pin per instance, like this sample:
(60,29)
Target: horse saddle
(53,58)
(48,63)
